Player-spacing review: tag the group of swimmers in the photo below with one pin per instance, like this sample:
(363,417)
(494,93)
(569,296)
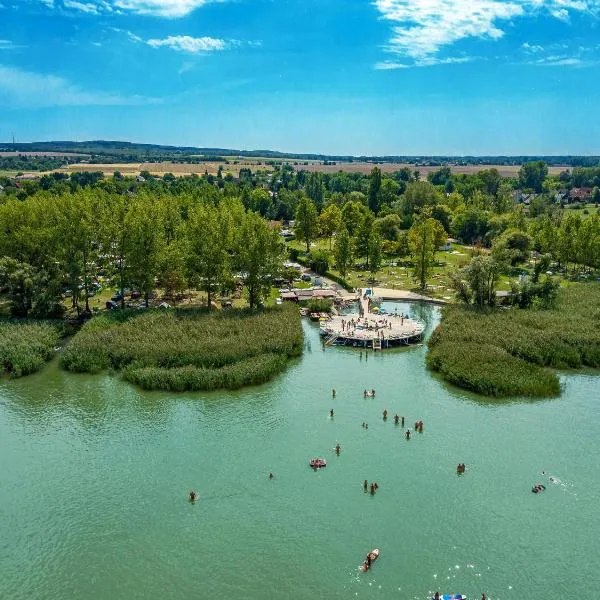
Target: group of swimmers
(368,561)
(373,487)
(538,487)
(397,420)
(419,426)
(370,394)
(461,468)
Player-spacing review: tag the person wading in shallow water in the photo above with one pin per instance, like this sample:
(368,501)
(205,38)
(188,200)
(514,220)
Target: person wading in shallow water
(331,413)
(337,449)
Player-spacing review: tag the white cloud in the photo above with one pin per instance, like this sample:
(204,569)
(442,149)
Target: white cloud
(532,47)
(192,45)
(422,27)
(557,61)
(430,61)
(156,8)
(85,7)
(161,8)
(390,65)
(24,88)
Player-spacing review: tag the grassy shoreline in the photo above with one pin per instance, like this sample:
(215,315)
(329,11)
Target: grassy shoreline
(511,352)
(188,349)
(26,346)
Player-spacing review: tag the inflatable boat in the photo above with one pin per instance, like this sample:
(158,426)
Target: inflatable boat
(317,463)
(374,555)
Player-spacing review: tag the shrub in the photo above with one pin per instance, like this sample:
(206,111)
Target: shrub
(26,346)
(506,352)
(187,348)
(318,304)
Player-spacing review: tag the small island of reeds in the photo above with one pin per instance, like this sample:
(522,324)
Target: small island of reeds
(510,352)
(26,346)
(188,349)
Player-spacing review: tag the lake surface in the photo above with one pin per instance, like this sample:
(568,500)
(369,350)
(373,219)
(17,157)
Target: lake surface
(94,478)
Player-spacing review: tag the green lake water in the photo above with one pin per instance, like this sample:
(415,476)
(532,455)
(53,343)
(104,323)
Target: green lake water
(94,477)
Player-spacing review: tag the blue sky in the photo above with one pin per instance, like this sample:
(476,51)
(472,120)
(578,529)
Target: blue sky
(332,76)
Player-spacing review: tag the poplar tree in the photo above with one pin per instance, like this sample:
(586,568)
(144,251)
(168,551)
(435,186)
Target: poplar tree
(424,238)
(307,224)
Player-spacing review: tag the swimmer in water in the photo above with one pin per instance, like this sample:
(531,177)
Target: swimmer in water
(331,413)
(270,475)
(372,489)
(192,496)
(333,392)
(365,485)
(396,419)
(385,414)
(337,449)
(407,434)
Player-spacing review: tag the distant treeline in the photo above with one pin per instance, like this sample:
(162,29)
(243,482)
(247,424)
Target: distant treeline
(131,152)
(33,163)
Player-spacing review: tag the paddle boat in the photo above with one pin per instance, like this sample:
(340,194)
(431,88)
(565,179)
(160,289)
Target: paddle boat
(317,463)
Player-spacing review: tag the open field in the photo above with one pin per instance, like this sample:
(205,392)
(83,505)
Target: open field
(365,167)
(182,169)
(161,168)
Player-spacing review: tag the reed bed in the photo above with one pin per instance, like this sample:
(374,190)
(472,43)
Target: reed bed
(188,349)
(26,346)
(508,352)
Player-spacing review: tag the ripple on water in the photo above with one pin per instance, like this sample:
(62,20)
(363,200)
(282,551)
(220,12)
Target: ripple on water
(95,476)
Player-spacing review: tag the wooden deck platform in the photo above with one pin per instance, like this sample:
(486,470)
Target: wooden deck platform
(367,329)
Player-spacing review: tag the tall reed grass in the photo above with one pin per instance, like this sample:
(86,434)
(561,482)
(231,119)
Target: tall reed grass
(188,349)
(507,352)
(26,346)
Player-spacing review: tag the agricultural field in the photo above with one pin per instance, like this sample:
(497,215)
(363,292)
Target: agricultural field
(181,169)
(188,349)
(365,168)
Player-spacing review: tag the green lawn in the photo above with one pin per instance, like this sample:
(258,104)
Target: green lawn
(583,211)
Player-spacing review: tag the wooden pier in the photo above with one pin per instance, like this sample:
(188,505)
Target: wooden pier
(368,329)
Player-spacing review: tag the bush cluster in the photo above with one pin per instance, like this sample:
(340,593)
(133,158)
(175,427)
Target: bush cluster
(188,349)
(507,352)
(26,346)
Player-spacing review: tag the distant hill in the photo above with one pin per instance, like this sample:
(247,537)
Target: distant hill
(117,151)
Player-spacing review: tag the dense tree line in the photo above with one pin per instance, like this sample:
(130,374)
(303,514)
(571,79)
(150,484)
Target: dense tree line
(363,217)
(62,244)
